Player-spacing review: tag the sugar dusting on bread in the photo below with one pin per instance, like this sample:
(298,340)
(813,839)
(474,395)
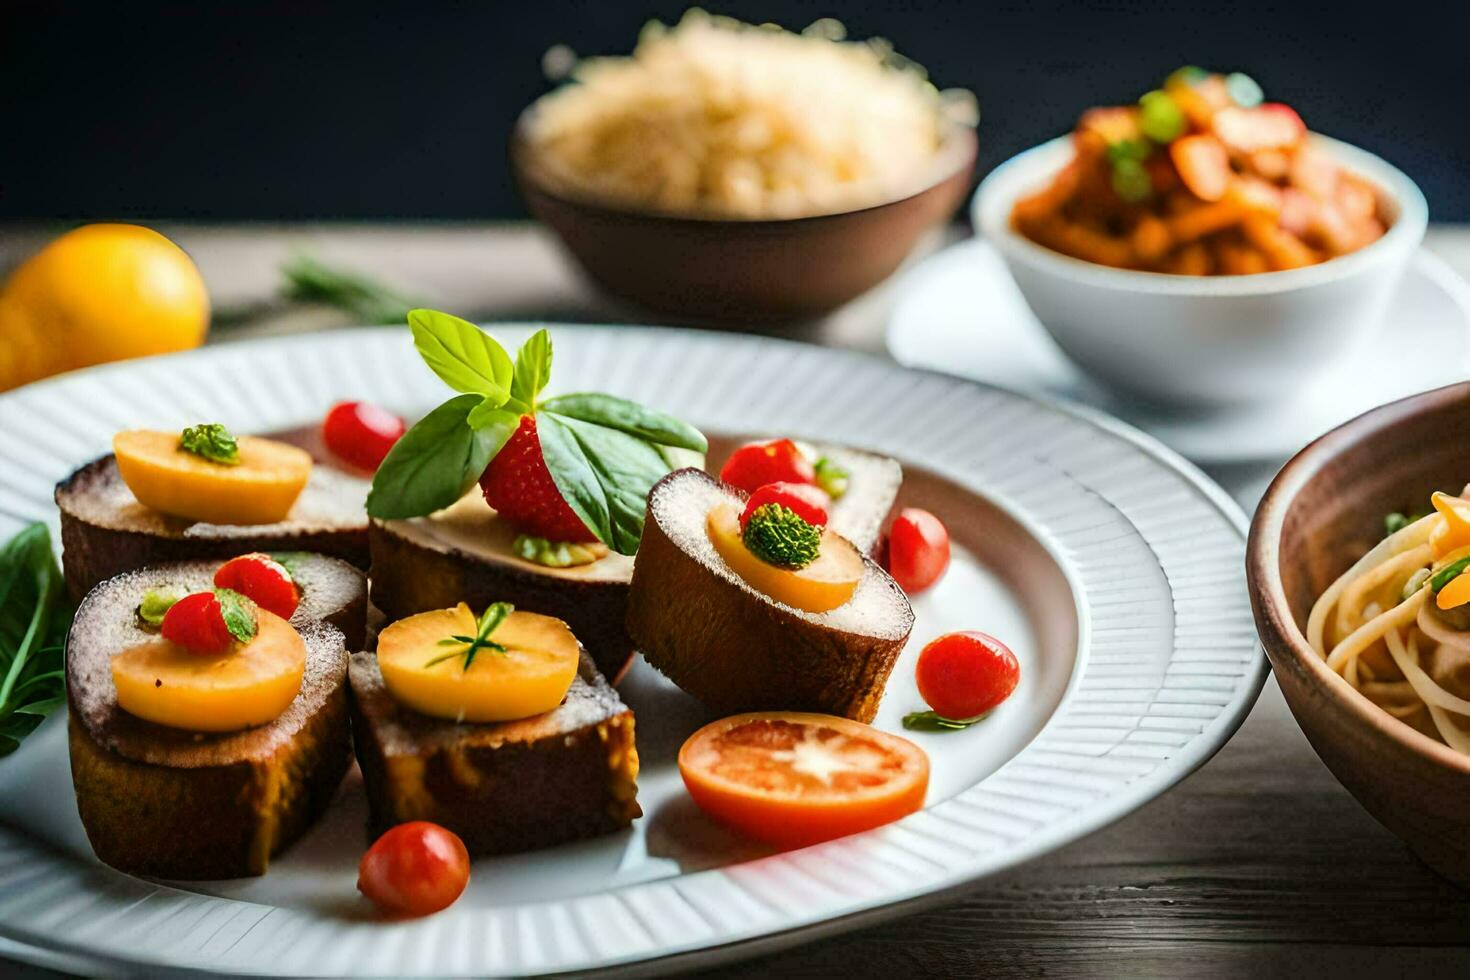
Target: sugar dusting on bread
(681,504)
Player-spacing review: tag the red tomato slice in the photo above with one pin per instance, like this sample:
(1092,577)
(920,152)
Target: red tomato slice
(261,578)
(754,465)
(414,869)
(791,779)
(197,623)
(807,500)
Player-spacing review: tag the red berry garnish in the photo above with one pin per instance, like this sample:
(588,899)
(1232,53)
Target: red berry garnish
(264,580)
(807,501)
(962,675)
(519,486)
(918,550)
(197,623)
(361,433)
(754,465)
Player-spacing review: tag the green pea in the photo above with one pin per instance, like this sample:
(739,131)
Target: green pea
(1131,181)
(1244,90)
(1160,117)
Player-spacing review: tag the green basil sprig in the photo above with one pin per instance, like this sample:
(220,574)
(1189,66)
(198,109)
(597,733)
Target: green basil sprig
(238,613)
(604,453)
(34,618)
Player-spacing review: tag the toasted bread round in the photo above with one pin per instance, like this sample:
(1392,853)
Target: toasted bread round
(105,530)
(737,649)
(463,554)
(168,803)
(502,787)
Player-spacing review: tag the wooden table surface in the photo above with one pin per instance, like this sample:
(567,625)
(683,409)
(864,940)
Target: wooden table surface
(1259,864)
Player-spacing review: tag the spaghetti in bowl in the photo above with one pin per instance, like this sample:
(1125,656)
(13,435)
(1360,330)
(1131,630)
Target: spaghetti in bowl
(1371,666)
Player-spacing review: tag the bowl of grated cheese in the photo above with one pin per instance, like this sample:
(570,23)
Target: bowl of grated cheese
(730,172)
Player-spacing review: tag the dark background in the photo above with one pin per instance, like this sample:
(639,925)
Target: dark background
(358,110)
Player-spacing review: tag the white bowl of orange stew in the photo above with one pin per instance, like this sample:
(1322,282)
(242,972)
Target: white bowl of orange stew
(1206,340)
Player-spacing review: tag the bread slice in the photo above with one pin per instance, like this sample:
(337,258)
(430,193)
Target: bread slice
(169,803)
(105,530)
(862,513)
(507,787)
(463,554)
(736,649)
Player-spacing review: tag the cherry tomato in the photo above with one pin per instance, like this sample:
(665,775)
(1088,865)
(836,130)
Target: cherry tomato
(807,500)
(961,675)
(754,465)
(792,779)
(261,578)
(918,550)
(361,433)
(196,623)
(415,869)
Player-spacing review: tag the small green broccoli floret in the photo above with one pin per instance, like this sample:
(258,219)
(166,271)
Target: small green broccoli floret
(831,477)
(779,536)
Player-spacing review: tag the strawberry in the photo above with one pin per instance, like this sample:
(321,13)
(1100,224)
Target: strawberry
(520,488)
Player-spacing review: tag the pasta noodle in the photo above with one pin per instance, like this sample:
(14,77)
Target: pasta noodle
(1396,625)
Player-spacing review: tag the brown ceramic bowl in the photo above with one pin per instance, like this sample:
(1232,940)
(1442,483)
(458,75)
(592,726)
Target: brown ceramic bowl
(732,270)
(1324,510)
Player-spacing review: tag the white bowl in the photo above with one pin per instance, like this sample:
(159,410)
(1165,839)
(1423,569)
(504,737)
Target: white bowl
(1204,340)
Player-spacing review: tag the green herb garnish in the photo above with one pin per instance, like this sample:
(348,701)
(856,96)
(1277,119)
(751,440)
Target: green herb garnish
(1160,117)
(492,618)
(1448,574)
(932,721)
(367,300)
(211,441)
(831,477)
(238,613)
(155,605)
(553,554)
(604,453)
(778,535)
(34,618)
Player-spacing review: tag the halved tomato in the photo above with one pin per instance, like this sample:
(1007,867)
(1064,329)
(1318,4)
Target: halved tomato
(791,779)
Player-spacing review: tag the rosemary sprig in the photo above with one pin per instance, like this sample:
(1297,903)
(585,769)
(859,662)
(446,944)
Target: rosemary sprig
(492,618)
(309,280)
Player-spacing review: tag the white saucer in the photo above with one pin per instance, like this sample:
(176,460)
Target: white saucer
(959,312)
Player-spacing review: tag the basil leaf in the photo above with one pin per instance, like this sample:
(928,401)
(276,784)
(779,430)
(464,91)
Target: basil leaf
(43,707)
(465,357)
(932,721)
(434,464)
(238,613)
(629,417)
(533,369)
(34,618)
(488,415)
(604,474)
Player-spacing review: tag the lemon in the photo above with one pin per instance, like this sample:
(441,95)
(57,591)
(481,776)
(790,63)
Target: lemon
(99,293)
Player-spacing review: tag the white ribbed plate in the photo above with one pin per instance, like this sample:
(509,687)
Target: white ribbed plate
(1166,668)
